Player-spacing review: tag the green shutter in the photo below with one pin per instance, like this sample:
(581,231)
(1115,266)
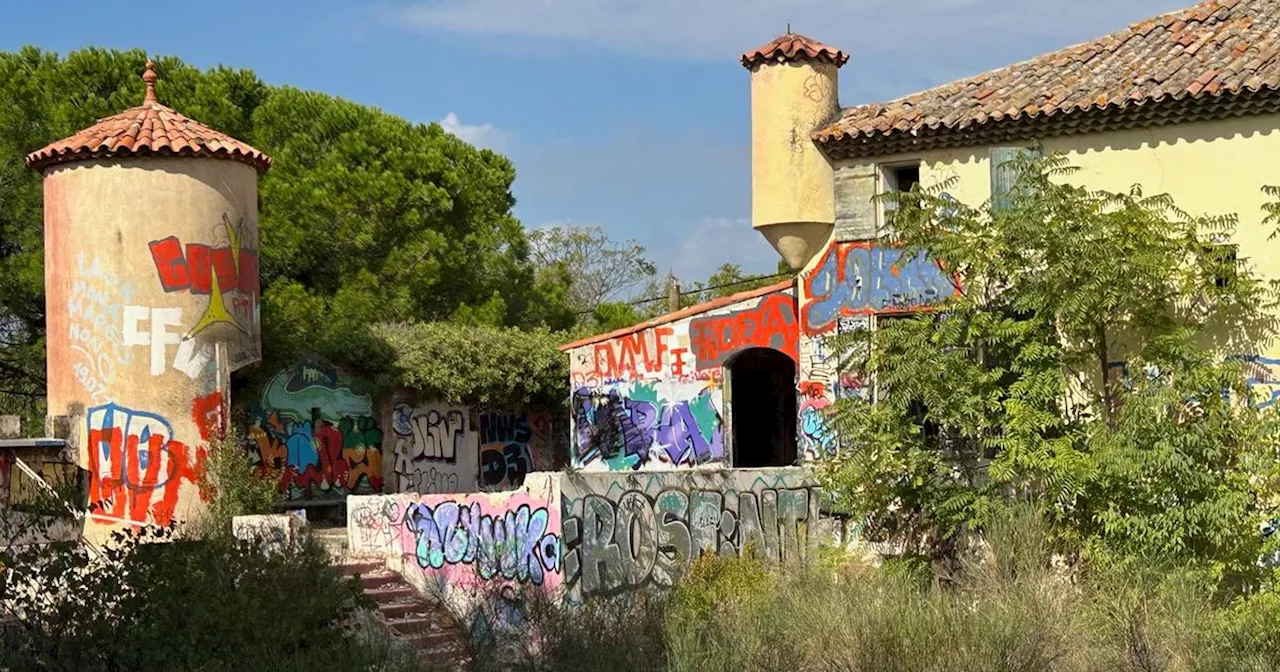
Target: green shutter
(1003,176)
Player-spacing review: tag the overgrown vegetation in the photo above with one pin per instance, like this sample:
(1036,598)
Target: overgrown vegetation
(1088,367)
(235,486)
(1010,605)
(210,604)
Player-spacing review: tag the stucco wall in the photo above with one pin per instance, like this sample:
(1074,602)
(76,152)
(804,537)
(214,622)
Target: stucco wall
(653,399)
(151,284)
(1209,168)
(586,534)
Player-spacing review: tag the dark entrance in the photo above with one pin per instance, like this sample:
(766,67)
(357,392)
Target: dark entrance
(762,408)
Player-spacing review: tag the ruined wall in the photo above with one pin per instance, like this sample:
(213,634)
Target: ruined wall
(585,534)
(321,434)
(846,288)
(151,284)
(440,448)
(652,398)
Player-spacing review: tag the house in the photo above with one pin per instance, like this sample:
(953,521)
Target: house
(1186,103)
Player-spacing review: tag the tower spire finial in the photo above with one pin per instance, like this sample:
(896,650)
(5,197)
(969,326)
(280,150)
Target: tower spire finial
(149,76)
(788,27)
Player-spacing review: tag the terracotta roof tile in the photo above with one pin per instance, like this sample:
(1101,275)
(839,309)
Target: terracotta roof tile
(147,130)
(1195,58)
(793,47)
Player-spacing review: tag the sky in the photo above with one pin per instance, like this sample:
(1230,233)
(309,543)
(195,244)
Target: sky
(633,115)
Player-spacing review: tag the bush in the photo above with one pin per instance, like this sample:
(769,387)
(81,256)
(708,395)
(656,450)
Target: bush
(236,486)
(204,604)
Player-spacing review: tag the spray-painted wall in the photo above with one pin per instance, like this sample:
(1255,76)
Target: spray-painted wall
(585,534)
(651,397)
(322,435)
(845,289)
(151,283)
(439,448)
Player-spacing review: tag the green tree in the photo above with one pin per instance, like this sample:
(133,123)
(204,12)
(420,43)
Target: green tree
(1081,368)
(365,217)
(601,270)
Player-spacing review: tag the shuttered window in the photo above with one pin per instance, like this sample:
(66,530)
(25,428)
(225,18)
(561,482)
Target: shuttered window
(1003,175)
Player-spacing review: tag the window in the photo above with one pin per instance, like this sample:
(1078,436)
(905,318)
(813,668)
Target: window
(897,178)
(1223,258)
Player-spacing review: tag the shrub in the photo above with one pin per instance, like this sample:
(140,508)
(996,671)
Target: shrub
(235,485)
(186,604)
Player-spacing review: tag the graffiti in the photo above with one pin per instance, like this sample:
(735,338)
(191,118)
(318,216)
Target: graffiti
(376,521)
(505,453)
(633,539)
(772,324)
(157,336)
(632,356)
(628,428)
(517,543)
(95,309)
(319,434)
(227,274)
(862,278)
(136,466)
(271,532)
(1262,375)
(817,440)
(428,443)
(210,414)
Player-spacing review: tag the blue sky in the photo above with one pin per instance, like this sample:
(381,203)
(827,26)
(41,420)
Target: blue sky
(630,114)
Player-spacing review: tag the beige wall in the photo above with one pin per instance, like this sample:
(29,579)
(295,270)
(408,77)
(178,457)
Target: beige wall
(138,343)
(1209,168)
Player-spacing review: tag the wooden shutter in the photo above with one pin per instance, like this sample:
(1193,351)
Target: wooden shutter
(1003,176)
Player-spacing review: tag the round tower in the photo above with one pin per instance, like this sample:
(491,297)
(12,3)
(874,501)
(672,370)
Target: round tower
(151,297)
(794,91)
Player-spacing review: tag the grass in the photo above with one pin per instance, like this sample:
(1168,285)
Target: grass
(1007,609)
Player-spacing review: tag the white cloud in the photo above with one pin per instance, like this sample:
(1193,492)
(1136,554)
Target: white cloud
(876,30)
(713,241)
(481,135)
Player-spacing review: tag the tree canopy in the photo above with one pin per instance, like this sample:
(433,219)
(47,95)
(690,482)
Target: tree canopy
(365,217)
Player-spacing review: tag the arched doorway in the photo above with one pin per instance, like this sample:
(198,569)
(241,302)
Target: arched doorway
(762,408)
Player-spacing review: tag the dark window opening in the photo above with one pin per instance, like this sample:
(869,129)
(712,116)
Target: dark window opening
(905,177)
(762,398)
(1224,262)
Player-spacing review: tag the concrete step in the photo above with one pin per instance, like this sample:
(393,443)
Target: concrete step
(403,609)
(383,579)
(358,567)
(390,594)
(429,640)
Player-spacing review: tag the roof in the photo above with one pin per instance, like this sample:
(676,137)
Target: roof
(793,47)
(1216,59)
(683,313)
(151,129)
(35,442)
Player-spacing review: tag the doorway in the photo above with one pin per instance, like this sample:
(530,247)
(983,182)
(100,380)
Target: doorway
(762,408)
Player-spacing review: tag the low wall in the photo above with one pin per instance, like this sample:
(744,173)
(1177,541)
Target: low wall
(584,534)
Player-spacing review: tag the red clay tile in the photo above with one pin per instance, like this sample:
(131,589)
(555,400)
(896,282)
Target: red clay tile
(147,130)
(1221,46)
(792,47)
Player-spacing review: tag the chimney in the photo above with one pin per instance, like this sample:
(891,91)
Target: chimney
(794,91)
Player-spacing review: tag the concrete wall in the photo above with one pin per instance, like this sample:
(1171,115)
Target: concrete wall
(652,398)
(151,285)
(586,534)
(1209,168)
(312,423)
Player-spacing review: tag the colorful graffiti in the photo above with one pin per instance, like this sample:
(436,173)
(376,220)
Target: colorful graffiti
(629,538)
(429,441)
(506,454)
(514,542)
(863,278)
(227,274)
(628,426)
(320,435)
(95,308)
(634,355)
(771,324)
(817,439)
(136,466)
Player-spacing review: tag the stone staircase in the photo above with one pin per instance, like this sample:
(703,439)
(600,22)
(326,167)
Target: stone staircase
(422,622)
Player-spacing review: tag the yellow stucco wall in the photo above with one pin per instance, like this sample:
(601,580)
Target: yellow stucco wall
(152,298)
(1209,168)
(792,183)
